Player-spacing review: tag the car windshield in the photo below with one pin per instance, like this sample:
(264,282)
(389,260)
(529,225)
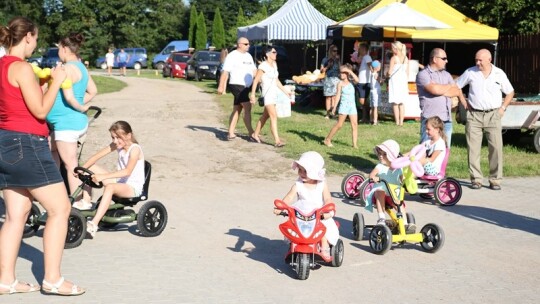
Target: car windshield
(208,57)
(180,58)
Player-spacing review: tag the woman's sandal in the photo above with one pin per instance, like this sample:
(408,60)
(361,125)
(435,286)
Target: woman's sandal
(279,145)
(12,288)
(54,289)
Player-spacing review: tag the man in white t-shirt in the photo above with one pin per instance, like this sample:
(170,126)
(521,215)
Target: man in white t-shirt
(241,68)
(364,76)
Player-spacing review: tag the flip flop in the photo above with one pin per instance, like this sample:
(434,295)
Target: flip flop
(279,145)
(11,289)
(254,139)
(231,137)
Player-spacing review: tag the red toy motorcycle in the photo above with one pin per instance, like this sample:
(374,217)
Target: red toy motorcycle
(305,231)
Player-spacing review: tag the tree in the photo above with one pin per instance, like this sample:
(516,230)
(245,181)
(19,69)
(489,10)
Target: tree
(218,31)
(201,36)
(193,17)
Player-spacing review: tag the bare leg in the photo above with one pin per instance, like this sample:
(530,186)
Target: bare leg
(401,114)
(233,119)
(271,110)
(395,108)
(354,127)
(55,201)
(247,117)
(328,140)
(68,154)
(17,204)
(120,190)
(374,115)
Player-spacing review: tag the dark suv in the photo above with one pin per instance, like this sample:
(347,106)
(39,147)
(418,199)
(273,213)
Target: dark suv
(203,65)
(50,58)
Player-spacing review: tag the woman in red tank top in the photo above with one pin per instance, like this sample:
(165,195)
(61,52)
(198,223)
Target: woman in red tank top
(27,170)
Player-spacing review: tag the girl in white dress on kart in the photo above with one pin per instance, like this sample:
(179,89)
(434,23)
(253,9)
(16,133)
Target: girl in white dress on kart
(310,191)
(127,182)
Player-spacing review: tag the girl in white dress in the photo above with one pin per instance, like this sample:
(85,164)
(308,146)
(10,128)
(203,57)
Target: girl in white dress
(398,84)
(310,191)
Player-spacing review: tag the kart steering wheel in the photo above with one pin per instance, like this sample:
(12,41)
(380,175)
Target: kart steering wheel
(85,176)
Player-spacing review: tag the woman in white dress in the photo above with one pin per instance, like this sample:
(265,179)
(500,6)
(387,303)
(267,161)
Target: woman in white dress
(398,84)
(267,75)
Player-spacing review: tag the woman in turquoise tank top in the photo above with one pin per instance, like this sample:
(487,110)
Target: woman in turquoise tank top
(347,105)
(67,118)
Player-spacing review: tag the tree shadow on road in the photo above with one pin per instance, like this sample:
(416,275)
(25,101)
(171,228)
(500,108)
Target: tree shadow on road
(500,218)
(270,252)
(219,133)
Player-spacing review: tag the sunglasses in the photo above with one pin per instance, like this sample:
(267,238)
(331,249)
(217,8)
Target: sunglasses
(443,58)
(273,52)
(244,43)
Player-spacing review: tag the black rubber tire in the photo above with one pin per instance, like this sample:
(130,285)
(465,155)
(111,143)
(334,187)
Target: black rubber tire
(427,196)
(351,183)
(32,225)
(452,190)
(152,219)
(159,66)
(410,218)
(536,140)
(337,252)
(302,266)
(433,237)
(380,239)
(76,229)
(358,226)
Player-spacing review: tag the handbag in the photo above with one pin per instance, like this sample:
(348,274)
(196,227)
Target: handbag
(261,101)
(261,98)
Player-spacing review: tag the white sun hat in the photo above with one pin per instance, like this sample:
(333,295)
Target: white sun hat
(313,162)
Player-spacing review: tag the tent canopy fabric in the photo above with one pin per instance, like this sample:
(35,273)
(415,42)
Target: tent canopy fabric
(463,29)
(296,20)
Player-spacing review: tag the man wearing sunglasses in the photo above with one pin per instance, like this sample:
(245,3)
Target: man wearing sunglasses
(435,88)
(240,66)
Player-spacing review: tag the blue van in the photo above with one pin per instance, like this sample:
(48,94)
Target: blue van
(174,46)
(137,59)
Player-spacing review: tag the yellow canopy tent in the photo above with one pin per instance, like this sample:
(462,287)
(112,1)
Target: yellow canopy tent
(463,29)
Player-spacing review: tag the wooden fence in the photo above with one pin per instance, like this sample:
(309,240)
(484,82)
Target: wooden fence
(519,57)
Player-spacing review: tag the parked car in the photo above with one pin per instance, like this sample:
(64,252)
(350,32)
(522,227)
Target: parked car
(137,59)
(175,65)
(160,59)
(35,60)
(203,65)
(50,58)
(284,66)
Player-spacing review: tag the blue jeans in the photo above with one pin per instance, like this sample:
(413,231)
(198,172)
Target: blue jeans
(447,131)
(26,161)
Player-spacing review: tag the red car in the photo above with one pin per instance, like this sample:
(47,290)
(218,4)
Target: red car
(175,65)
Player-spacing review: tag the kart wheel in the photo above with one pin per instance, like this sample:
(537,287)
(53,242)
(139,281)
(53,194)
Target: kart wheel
(358,226)
(433,237)
(351,183)
(302,266)
(448,191)
(536,140)
(32,225)
(364,190)
(380,239)
(337,252)
(76,229)
(152,219)
(427,196)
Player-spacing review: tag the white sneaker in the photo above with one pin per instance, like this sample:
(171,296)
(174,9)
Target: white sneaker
(381,221)
(91,228)
(82,205)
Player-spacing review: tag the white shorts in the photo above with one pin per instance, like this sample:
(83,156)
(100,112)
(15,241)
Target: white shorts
(68,135)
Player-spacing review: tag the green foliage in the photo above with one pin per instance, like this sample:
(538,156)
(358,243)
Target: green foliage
(201,35)
(218,31)
(193,17)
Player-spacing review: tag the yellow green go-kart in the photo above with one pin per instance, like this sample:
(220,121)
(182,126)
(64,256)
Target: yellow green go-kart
(381,237)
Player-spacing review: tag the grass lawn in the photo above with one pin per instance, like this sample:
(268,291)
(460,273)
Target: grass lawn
(306,129)
(107,84)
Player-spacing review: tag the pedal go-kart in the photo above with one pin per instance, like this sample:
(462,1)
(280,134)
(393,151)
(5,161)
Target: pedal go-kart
(151,218)
(305,231)
(381,237)
(447,191)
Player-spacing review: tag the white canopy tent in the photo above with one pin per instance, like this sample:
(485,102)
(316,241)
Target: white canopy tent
(295,21)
